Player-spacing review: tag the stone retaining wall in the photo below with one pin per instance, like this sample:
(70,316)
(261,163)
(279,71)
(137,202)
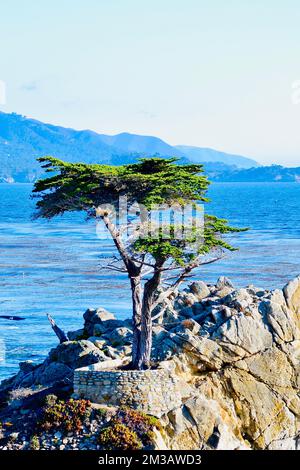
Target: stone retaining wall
(154,392)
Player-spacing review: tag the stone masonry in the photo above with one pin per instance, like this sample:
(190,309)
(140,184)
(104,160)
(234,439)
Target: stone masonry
(154,392)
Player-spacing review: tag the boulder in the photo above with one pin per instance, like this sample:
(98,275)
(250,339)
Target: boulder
(27,366)
(76,335)
(199,309)
(187,312)
(76,354)
(200,290)
(288,443)
(224,287)
(292,295)
(106,327)
(111,352)
(201,423)
(283,321)
(239,299)
(159,333)
(255,291)
(244,335)
(191,325)
(97,316)
(52,372)
(223,281)
(125,351)
(183,300)
(165,311)
(262,412)
(98,342)
(270,367)
(224,292)
(119,336)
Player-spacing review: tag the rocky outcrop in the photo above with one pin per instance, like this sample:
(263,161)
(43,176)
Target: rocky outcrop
(240,354)
(234,352)
(102,338)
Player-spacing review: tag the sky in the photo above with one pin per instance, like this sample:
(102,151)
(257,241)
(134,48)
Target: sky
(213,73)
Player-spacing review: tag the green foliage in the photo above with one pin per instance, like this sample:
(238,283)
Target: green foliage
(197,241)
(139,422)
(100,413)
(67,416)
(119,437)
(34,443)
(129,429)
(50,400)
(151,181)
(78,186)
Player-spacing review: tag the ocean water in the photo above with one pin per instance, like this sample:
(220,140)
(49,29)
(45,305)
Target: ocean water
(55,267)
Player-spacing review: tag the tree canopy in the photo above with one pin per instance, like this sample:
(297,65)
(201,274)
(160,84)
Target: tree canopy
(151,182)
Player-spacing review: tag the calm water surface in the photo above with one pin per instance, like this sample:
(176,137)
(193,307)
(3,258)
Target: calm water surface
(55,266)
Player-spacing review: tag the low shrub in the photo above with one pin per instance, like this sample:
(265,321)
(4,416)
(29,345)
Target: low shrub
(50,400)
(34,443)
(118,436)
(100,413)
(129,428)
(65,415)
(139,422)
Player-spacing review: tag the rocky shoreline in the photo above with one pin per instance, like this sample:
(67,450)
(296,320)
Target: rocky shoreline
(235,355)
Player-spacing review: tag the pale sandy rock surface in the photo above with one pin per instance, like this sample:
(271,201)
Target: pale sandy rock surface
(243,368)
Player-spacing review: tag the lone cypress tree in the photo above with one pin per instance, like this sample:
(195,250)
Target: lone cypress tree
(151,258)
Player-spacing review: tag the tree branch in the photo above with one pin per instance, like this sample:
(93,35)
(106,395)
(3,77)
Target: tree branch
(182,277)
(58,331)
(127,260)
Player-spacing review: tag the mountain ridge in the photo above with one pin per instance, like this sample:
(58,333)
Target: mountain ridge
(204,154)
(23,140)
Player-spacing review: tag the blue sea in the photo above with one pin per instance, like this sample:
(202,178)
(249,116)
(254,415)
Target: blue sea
(55,267)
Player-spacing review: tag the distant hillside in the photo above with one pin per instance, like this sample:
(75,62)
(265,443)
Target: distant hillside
(23,140)
(140,143)
(198,154)
(273,173)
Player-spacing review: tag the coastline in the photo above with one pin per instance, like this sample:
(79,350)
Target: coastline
(222,348)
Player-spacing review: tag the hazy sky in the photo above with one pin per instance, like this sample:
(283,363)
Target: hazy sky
(213,73)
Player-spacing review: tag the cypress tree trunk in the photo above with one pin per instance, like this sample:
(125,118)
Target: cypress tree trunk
(146,334)
(136,294)
(150,288)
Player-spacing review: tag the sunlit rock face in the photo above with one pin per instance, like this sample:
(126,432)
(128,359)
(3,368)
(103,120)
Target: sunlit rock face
(242,366)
